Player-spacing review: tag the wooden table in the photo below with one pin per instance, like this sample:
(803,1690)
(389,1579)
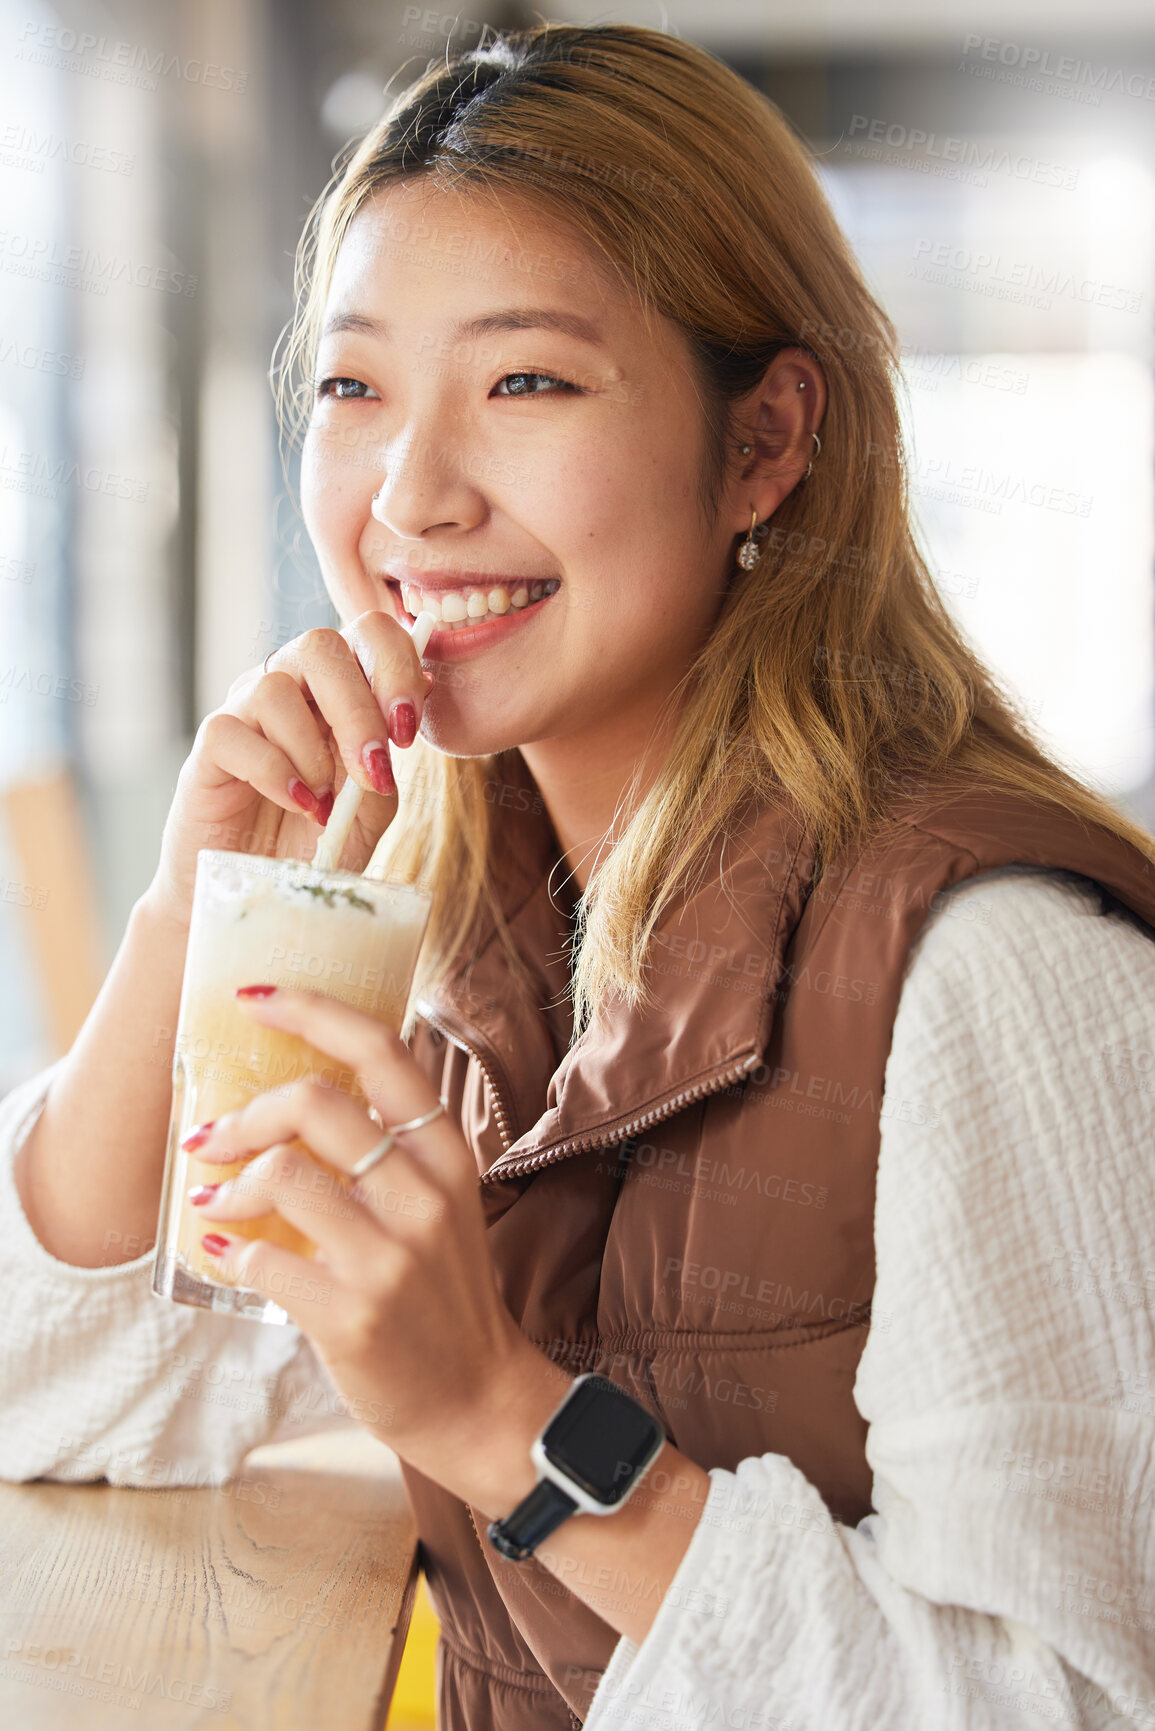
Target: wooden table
(276,1602)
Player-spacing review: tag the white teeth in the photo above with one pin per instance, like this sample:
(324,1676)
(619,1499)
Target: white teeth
(455,608)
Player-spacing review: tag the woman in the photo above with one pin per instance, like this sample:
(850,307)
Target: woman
(576,314)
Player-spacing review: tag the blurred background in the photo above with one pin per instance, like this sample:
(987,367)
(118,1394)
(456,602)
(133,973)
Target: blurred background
(993,166)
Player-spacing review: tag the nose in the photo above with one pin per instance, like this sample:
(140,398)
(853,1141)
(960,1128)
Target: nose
(426,487)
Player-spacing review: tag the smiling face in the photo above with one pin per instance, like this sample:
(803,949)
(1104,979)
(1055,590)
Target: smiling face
(520,422)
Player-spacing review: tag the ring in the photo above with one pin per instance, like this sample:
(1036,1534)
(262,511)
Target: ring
(374,1155)
(265,664)
(379,1151)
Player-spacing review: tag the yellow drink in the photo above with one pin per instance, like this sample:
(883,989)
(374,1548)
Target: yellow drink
(274,922)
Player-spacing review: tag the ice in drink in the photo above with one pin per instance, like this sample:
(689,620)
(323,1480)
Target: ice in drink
(276,922)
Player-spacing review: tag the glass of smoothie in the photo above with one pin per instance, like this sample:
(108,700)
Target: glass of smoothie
(277,922)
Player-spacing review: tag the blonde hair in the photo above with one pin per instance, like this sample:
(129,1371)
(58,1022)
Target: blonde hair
(834,678)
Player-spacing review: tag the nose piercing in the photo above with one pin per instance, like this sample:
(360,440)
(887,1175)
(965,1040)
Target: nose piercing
(375,510)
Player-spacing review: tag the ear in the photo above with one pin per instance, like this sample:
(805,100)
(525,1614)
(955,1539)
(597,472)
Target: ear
(776,419)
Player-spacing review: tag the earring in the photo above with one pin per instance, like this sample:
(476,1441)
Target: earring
(817,453)
(373,506)
(802,384)
(749,552)
(744,450)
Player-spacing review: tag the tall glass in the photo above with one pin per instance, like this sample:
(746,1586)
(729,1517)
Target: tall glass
(260,921)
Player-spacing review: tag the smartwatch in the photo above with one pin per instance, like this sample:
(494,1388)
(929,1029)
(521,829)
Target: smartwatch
(591,1456)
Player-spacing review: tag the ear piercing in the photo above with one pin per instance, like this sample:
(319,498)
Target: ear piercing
(749,552)
(745,450)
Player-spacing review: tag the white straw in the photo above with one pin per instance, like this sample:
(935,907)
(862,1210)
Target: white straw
(348,802)
(336,832)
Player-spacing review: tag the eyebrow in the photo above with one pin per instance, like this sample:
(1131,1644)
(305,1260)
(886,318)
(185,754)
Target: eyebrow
(484,325)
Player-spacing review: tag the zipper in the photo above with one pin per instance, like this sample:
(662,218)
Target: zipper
(622,1133)
(491,1072)
(580,1144)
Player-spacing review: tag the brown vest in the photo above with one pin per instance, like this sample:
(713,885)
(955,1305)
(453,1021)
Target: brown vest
(685,1200)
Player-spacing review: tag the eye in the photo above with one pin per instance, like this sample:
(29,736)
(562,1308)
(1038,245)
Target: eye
(345,390)
(529,385)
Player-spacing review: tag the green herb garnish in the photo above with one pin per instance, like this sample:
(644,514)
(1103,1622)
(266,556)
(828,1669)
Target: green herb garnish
(328,895)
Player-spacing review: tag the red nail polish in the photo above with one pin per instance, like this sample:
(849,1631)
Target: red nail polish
(403,723)
(214,1243)
(325,807)
(255,991)
(376,760)
(196,1138)
(303,796)
(202,1194)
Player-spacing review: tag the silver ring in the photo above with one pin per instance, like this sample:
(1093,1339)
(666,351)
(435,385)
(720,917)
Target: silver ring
(378,1152)
(419,1123)
(375,1154)
(265,664)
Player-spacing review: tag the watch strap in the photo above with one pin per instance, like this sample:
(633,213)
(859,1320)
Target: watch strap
(534,1519)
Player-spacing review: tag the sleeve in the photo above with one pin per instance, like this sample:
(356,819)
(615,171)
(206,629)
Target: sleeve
(99,1378)
(1007,1576)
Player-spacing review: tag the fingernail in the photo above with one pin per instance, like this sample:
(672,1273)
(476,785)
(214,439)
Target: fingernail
(200,1135)
(214,1243)
(375,757)
(255,991)
(402,723)
(202,1193)
(303,796)
(325,806)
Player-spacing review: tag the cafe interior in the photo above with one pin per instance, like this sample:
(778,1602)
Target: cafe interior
(993,166)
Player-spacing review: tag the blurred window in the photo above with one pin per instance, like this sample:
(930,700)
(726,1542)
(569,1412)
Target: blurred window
(1023,307)
(37,724)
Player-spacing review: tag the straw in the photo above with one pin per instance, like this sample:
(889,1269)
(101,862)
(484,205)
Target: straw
(348,802)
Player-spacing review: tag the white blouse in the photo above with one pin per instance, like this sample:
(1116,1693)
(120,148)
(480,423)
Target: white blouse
(1008,1379)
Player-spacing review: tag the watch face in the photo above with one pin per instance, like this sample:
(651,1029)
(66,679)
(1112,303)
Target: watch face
(602,1439)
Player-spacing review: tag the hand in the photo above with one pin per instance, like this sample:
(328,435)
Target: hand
(266,765)
(402,1304)
(401,1299)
